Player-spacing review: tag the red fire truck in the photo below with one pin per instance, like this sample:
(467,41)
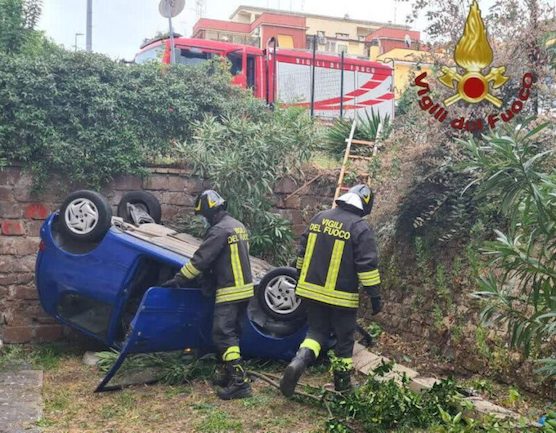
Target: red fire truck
(285,75)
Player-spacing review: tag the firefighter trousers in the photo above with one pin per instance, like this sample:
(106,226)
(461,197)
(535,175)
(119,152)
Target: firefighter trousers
(226,325)
(324,319)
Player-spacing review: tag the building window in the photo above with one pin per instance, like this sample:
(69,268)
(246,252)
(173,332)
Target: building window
(342,35)
(330,46)
(361,38)
(342,48)
(320,34)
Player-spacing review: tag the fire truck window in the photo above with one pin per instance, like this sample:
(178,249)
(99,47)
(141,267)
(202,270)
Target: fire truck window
(188,57)
(150,55)
(250,72)
(236,61)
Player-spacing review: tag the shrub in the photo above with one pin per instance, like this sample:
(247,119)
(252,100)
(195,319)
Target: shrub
(516,170)
(91,118)
(243,157)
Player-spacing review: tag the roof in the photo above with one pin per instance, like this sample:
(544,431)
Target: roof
(326,17)
(394,33)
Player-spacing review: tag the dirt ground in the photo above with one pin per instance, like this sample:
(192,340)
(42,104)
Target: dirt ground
(71,406)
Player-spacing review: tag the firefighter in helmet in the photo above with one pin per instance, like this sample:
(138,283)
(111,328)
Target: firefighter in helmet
(337,253)
(224,254)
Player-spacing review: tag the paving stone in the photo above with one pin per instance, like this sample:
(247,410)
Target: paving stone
(366,361)
(20,401)
(419,384)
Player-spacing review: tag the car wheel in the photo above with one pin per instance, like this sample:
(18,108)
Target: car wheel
(276,295)
(143,200)
(85,216)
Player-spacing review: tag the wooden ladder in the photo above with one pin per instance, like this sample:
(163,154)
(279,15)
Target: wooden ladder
(347,156)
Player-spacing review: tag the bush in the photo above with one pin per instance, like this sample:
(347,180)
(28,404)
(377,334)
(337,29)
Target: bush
(516,171)
(243,157)
(91,118)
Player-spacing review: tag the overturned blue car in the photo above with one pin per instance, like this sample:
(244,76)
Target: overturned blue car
(100,274)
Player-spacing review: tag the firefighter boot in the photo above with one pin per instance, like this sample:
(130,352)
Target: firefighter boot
(238,385)
(342,381)
(222,376)
(295,369)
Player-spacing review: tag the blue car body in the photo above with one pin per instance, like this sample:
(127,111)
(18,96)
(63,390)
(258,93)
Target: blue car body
(105,292)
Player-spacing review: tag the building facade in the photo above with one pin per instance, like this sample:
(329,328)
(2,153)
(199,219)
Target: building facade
(359,38)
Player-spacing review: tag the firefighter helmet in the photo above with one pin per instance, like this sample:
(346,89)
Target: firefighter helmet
(208,203)
(359,199)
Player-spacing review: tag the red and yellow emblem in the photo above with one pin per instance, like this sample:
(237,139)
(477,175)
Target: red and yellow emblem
(473,53)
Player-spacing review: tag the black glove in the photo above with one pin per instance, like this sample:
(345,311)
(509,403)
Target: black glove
(376,301)
(175,283)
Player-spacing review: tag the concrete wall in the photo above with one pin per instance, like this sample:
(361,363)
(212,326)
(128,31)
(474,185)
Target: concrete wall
(22,213)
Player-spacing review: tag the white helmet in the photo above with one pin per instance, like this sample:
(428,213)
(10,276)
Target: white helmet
(359,198)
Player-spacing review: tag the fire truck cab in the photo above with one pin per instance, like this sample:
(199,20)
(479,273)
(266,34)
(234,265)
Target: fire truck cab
(247,63)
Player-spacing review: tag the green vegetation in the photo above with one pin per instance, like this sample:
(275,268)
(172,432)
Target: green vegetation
(382,404)
(243,157)
(367,129)
(91,118)
(516,170)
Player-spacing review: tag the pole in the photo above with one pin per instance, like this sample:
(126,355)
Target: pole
(172,47)
(89,41)
(342,86)
(313,75)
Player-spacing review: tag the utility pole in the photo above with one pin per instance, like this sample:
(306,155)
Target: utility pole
(89,37)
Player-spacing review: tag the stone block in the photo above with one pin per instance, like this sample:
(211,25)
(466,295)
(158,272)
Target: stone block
(286,185)
(12,264)
(160,182)
(33,228)
(18,246)
(177,199)
(10,175)
(171,212)
(36,211)
(6,194)
(10,210)
(18,334)
(365,361)
(420,384)
(127,183)
(293,202)
(48,333)
(12,228)
(24,292)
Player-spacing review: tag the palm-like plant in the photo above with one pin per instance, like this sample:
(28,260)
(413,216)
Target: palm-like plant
(517,171)
(367,129)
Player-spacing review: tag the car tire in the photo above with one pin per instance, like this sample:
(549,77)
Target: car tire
(276,295)
(143,199)
(85,216)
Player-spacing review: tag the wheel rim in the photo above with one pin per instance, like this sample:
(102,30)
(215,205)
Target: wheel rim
(279,295)
(81,216)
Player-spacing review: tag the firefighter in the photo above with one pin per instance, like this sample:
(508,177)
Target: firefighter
(225,254)
(337,253)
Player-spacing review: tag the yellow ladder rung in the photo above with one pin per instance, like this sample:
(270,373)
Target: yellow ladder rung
(366,158)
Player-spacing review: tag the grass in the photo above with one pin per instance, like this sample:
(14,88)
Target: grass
(71,405)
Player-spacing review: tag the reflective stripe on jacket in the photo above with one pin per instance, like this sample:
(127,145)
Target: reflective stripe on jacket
(225,252)
(337,252)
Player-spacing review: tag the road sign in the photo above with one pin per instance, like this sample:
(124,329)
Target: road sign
(170,8)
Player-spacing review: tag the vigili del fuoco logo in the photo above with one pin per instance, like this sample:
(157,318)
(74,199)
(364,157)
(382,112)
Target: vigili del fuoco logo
(476,80)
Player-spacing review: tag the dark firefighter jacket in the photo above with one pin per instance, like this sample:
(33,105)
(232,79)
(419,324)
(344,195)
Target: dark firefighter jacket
(225,252)
(337,252)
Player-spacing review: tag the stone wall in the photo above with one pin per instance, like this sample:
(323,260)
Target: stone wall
(22,212)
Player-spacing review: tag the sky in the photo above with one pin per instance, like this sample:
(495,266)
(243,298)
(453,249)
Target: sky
(119,26)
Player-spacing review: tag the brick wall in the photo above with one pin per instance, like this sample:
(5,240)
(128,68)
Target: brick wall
(22,213)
